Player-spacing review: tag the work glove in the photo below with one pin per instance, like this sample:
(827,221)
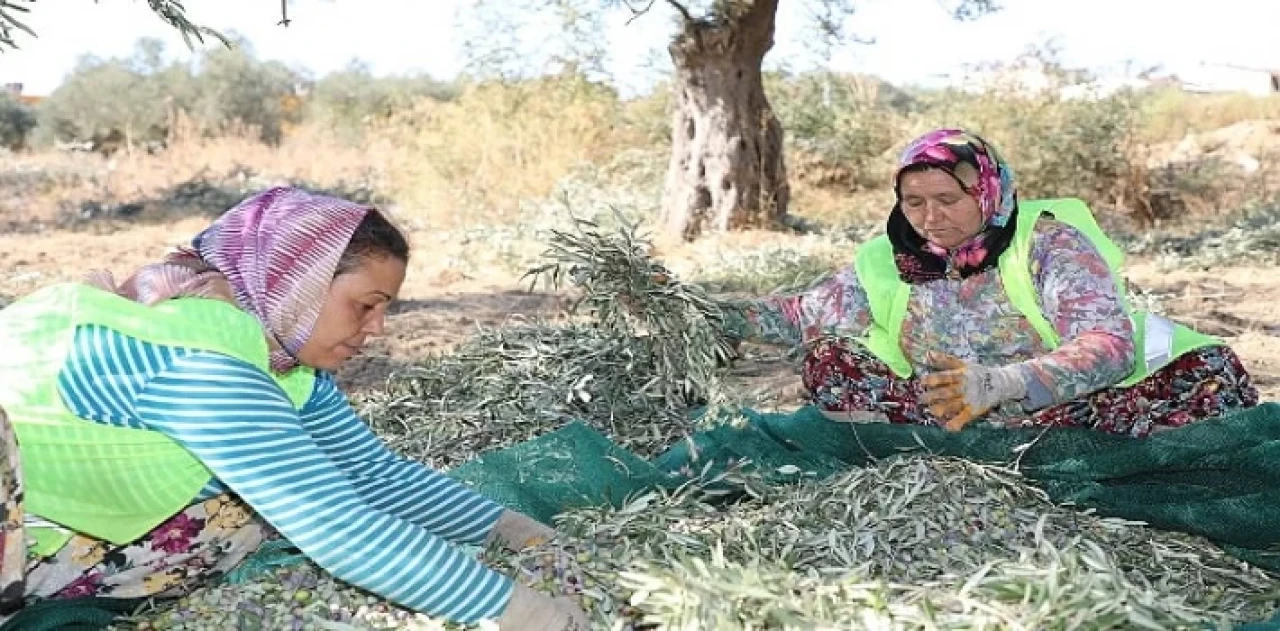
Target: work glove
(960,392)
(517,531)
(532,611)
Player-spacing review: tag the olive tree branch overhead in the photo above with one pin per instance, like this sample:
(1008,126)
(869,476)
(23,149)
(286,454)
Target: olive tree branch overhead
(684,12)
(637,11)
(171,11)
(9,22)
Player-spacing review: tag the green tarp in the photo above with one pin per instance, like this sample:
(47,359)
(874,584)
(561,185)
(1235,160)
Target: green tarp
(1219,479)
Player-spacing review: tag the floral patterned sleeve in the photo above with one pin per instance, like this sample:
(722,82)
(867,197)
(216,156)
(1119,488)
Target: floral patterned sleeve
(1082,302)
(836,306)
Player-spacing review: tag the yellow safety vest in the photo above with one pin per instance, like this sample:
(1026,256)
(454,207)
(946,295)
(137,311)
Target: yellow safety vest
(107,482)
(1158,339)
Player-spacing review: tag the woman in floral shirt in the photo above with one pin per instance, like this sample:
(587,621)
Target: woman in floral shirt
(955,215)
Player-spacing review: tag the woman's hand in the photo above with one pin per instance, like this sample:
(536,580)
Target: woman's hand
(961,392)
(517,531)
(532,611)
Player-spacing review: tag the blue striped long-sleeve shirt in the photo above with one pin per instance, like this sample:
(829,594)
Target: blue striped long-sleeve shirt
(317,475)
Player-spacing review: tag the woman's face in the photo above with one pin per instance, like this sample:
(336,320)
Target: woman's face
(354,309)
(939,210)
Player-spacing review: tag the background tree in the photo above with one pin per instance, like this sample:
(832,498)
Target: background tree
(122,103)
(727,168)
(349,100)
(135,112)
(16,121)
(235,89)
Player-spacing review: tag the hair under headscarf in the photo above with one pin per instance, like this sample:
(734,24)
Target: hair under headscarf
(272,255)
(984,175)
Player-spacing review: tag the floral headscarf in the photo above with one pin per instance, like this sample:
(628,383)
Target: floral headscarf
(273,255)
(983,174)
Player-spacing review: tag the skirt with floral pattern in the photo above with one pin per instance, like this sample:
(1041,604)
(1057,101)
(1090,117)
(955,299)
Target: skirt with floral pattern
(1205,383)
(13,545)
(198,545)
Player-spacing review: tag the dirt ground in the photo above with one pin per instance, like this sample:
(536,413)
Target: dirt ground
(438,309)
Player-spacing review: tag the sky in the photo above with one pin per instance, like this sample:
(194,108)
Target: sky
(915,40)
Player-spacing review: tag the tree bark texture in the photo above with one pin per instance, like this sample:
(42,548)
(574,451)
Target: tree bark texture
(727,169)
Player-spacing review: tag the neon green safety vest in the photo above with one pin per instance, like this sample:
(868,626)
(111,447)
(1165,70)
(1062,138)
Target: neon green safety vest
(1160,341)
(108,482)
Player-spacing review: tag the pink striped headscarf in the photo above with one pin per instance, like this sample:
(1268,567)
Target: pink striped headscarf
(273,255)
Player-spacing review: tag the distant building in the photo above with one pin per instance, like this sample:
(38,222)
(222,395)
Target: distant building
(14,91)
(1030,76)
(1230,78)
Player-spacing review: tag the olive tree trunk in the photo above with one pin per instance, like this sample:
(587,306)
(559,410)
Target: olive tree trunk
(727,169)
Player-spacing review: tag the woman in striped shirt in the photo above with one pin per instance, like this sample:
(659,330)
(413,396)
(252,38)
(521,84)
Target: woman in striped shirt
(132,397)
